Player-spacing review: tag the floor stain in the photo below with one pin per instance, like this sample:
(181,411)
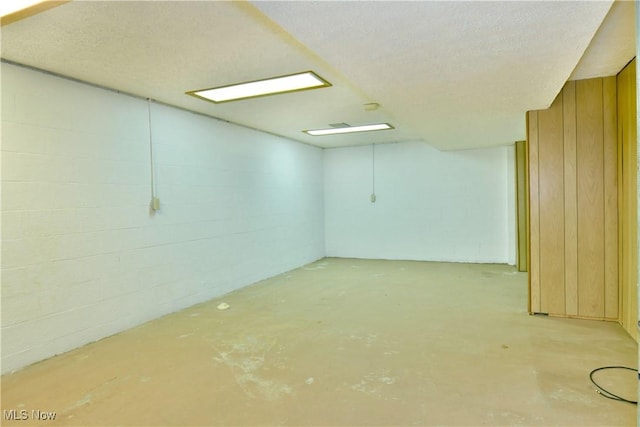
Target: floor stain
(247,361)
(374,383)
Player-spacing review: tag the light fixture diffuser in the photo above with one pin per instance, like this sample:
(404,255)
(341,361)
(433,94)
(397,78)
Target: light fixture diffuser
(290,83)
(8,7)
(349,129)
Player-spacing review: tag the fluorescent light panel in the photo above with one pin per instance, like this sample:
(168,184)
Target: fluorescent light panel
(350,129)
(11,6)
(283,84)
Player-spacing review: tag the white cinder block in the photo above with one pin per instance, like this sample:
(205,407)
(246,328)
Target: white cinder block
(11,226)
(12,166)
(430,205)
(13,280)
(8,99)
(83,255)
(35,109)
(23,138)
(15,254)
(30,354)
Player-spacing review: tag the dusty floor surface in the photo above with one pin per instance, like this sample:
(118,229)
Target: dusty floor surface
(344,342)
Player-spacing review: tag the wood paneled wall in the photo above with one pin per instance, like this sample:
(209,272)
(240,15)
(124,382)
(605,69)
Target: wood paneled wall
(628,202)
(522,199)
(573,202)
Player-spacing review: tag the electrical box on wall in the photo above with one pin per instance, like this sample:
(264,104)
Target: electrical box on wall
(155,203)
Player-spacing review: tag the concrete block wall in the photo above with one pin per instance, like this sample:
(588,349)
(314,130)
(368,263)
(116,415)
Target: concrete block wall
(82,255)
(430,205)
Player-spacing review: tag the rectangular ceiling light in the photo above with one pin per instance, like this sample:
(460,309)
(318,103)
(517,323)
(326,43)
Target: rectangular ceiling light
(8,7)
(349,129)
(14,10)
(272,86)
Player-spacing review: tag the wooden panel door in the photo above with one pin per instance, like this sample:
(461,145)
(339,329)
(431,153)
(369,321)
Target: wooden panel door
(570,200)
(611,224)
(521,203)
(551,208)
(534,213)
(590,167)
(628,204)
(573,198)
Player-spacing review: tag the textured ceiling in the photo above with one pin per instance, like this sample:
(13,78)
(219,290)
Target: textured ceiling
(613,45)
(453,74)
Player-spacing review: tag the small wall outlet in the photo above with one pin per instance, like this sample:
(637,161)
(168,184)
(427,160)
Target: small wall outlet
(373,198)
(155,203)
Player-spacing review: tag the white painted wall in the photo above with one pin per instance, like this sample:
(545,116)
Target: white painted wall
(83,258)
(431,205)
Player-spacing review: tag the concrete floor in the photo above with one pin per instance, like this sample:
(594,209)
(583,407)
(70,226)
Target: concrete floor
(344,342)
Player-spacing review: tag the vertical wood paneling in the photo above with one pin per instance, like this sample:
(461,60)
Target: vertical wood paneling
(521,200)
(570,200)
(621,99)
(551,208)
(610,165)
(631,170)
(573,200)
(534,215)
(628,202)
(590,191)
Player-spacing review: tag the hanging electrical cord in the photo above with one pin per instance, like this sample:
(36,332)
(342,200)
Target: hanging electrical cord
(373,173)
(604,392)
(155,202)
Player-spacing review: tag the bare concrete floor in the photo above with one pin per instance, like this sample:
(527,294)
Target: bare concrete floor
(344,342)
